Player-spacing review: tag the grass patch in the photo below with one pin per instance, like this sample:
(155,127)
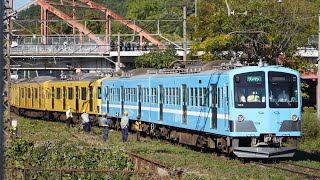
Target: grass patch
(195,164)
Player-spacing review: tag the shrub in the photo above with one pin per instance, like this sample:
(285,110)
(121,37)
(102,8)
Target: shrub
(310,126)
(51,155)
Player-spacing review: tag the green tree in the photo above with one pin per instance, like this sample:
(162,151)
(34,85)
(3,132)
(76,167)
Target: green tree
(157,59)
(144,9)
(268,29)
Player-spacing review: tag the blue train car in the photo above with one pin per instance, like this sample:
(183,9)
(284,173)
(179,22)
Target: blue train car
(247,111)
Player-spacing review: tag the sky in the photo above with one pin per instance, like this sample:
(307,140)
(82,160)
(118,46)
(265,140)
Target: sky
(19,3)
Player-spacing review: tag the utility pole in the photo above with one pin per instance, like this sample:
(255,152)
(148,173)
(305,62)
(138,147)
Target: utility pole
(1,92)
(318,85)
(7,79)
(118,59)
(184,33)
(195,12)
(5,75)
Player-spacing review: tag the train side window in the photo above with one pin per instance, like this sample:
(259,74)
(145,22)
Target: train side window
(173,96)
(135,95)
(145,97)
(116,96)
(29,93)
(196,97)
(177,96)
(70,93)
(206,97)
(99,93)
(52,92)
(126,94)
(173,91)
(58,93)
(166,96)
(191,96)
(227,94)
(154,95)
(83,93)
(111,95)
(201,96)
(36,93)
(167,99)
(148,95)
(218,99)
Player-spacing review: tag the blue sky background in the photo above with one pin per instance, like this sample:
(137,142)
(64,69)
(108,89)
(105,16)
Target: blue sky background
(19,3)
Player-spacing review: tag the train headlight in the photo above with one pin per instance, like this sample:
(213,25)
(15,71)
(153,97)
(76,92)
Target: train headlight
(294,117)
(240,117)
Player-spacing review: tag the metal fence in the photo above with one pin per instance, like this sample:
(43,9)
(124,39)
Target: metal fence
(142,169)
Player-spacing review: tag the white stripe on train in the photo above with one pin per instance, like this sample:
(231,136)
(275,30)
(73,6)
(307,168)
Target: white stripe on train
(172,111)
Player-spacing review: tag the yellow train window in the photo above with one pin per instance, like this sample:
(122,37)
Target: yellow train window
(83,93)
(58,93)
(99,93)
(70,93)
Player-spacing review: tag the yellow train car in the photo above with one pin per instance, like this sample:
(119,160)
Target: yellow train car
(28,96)
(50,98)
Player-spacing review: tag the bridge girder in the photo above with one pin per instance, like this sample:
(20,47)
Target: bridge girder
(46,4)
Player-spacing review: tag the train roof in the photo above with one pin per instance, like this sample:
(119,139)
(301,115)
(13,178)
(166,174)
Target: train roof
(214,67)
(78,77)
(82,77)
(39,79)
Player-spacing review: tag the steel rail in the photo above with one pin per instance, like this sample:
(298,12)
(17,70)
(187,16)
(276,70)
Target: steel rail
(290,170)
(298,165)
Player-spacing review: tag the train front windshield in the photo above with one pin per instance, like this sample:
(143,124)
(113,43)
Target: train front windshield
(283,92)
(250,90)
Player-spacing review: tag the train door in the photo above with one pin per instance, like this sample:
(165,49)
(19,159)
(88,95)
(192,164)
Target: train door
(91,98)
(77,98)
(213,106)
(122,99)
(225,102)
(139,100)
(161,103)
(64,97)
(52,97)
(184,103)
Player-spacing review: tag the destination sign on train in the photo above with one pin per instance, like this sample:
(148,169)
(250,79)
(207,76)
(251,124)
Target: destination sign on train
(254,78)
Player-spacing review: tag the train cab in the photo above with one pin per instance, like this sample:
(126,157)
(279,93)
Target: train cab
(266,109)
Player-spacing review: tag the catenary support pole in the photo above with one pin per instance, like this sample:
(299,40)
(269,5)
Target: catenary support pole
(318,85)
(184,33)
(118,59)
(1,92)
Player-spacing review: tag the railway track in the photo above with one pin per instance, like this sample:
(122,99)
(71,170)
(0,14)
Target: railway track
(303,171)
